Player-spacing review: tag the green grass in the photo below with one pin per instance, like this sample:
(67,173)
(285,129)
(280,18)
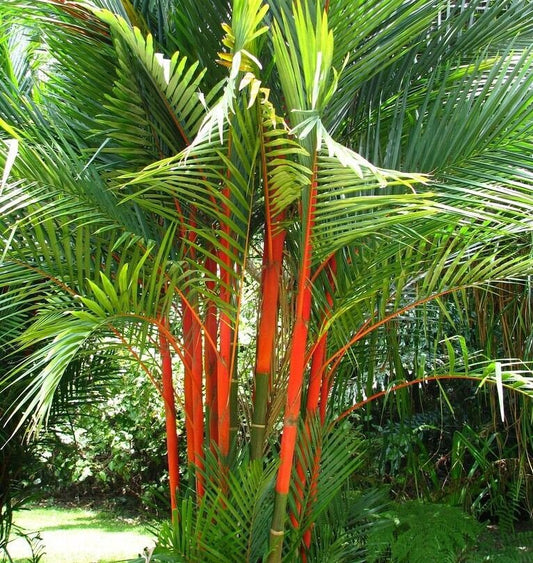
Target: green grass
(78,535)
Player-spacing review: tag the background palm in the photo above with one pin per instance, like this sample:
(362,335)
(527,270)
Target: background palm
(134,203)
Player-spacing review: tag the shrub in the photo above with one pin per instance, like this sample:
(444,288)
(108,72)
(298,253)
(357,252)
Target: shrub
(419,532)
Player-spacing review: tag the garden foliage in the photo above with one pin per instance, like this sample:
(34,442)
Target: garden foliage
(346,169)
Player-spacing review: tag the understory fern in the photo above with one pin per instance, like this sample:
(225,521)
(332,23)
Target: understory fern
(419,532)
(509,504)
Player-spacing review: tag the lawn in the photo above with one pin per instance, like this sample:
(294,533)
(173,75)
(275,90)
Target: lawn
(78,535)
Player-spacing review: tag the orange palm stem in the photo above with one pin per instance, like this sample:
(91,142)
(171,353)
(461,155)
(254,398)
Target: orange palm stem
(170,417)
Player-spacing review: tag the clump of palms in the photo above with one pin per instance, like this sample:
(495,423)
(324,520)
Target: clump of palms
(336,164)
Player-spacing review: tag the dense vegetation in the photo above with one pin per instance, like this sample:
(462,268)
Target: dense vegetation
(307,227)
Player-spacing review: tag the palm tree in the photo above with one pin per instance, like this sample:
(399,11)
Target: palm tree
(337,164)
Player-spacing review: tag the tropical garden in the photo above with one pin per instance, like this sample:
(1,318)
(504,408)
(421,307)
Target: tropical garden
(284,247)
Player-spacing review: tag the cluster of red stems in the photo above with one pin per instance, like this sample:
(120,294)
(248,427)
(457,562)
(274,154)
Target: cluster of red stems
(209,357)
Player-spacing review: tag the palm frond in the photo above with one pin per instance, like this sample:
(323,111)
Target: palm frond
(373,37)
(156,101)
(226,525)
(352,206)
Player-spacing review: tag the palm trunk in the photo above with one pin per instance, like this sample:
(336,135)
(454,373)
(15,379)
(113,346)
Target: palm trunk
(318,383)
(170,416)
(266,333)
(210,360)
(197,407)
(224,363)
(224,360)
(188,383)
(313,396)
(297,366)
(273,246)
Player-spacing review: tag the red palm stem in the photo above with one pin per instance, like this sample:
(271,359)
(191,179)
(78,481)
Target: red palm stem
(210,355)
(297,364)
(170,417)
(316,380)
(197,406)
(267,330)
(224,360)
(224,383)
(188,383)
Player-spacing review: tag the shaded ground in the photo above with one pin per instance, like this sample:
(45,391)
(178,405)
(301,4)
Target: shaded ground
(495,545)
(78,535)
